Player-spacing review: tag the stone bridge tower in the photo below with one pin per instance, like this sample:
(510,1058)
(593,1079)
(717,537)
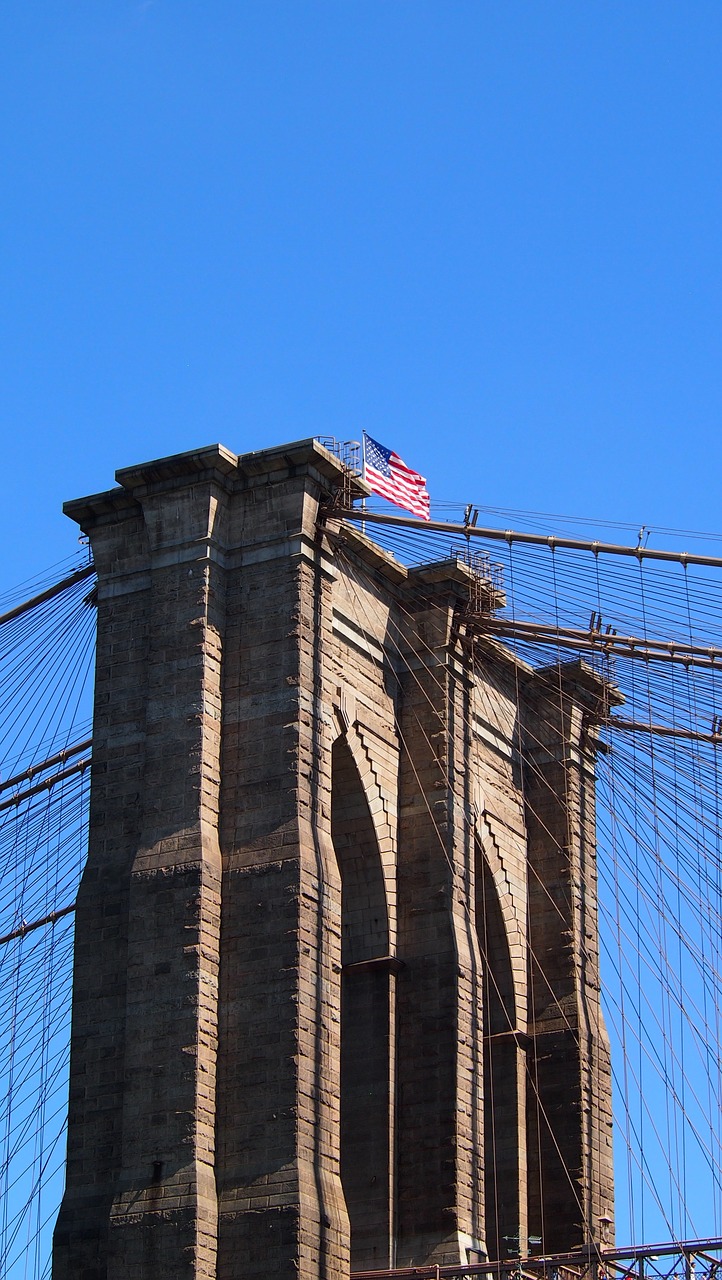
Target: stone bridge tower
(336,989)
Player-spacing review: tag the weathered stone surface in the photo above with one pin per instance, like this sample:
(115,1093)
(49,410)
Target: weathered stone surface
(336,995)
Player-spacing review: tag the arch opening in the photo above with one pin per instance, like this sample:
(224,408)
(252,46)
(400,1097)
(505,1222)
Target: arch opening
(367,1021)
(504,1069)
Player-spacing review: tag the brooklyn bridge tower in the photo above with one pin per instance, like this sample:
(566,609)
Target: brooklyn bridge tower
(336,989)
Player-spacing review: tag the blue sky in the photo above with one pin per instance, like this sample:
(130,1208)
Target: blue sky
(487,232)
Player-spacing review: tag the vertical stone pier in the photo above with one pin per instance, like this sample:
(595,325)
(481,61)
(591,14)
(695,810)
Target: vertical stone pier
(441,1161)
(209,635)
(569,1088)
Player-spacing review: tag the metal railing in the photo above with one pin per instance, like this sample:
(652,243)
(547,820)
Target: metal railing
(681,1260)
(348,452)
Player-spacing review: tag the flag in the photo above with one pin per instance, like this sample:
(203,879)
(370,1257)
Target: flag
(388,475)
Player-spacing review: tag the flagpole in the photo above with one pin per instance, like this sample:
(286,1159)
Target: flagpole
(363,477)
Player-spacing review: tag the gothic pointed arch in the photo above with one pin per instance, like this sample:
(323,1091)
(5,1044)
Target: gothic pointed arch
(504,1066)
(367,1018)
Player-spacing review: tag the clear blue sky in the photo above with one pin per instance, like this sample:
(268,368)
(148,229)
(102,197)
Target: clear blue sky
(487,231)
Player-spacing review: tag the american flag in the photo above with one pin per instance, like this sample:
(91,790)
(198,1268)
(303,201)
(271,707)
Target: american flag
(388,475)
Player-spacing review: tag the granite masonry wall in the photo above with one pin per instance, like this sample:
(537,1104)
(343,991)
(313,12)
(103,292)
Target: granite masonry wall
(336,989)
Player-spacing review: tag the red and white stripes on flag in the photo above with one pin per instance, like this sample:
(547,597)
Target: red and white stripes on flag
(388,475)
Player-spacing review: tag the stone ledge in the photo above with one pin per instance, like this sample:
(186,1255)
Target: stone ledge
(213,457)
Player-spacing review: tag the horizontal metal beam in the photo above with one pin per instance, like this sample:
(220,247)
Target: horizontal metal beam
(677,647)
(661,730)
(579,1261)
(665,1250)
(59,758)
(511,536)
(606,643)
(24,928)
(48,594)
(20,796)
